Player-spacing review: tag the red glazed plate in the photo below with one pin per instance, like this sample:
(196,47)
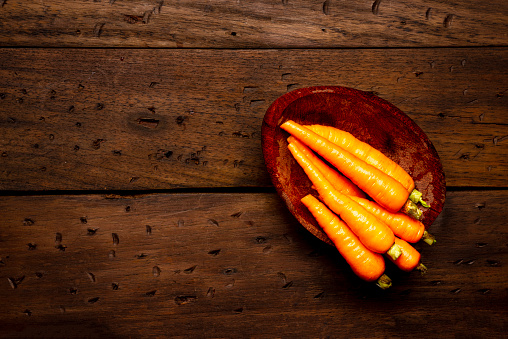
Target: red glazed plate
(370,119)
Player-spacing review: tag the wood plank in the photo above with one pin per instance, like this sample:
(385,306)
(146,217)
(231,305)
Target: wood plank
(253,24)
(215,265)
(154,119)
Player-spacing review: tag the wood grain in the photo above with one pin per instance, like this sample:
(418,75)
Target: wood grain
(143,119)
(229,265)
(253,24)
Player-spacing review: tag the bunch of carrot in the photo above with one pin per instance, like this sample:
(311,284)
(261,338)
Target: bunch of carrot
(367,203)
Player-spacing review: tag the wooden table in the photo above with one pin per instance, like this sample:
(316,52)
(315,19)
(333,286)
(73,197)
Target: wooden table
(135,201)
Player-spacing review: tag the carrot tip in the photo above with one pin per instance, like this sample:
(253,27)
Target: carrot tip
(394,252)
(428,238)
(422,268)
(384,282)
(416,197)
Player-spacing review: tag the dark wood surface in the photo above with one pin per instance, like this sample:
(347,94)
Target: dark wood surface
(253,24)
(135,201)
(141,119)
(223,265)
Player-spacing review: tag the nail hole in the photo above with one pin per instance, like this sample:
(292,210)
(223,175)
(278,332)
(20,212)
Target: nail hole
(326,7)
(480,206)
(156,271)
(288,285)
(114,286)
(185,299)
(83,220)
(58,238)
(190,269)
(116,239)
(213,222)
(31,246)
(229,271)
(92,231)
(148,122)
(214,252)
(375,7)
(61,247)
(320,295)
(93,300)
(14,282)
(493,263)
(261,240)
(73,290)
(28,221)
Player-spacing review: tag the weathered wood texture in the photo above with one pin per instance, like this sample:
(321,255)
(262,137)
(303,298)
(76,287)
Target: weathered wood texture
(152,119)
(247,24)
(229,265)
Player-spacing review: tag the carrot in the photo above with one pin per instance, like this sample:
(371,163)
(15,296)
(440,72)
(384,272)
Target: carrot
(373,233)
(387,191)
(366,264)
(402,225)
(409,259)
(337,180)
(370,155)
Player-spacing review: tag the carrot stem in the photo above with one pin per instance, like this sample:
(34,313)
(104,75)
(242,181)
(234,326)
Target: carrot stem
(429,238)
(394,252)
(416,197)
(384,282)
(422,268)
(412,210)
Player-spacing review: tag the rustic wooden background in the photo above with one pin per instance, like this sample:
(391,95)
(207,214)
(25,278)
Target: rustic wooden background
(135,201)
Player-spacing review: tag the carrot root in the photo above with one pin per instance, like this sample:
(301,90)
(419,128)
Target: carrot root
(429,238)
(412,210)
(416,197)
(394,252)
(384,282)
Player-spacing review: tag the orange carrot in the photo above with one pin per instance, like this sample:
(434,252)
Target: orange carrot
(402,225)
(373,233)
(366,264)
(370,155)
(387,191)
(365,152)
(409,259)
(337,180)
